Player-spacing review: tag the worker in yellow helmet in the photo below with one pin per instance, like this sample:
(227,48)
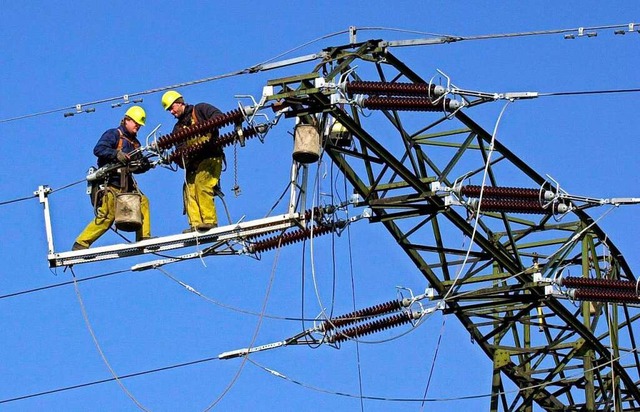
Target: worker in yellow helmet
(116,147)
(202,170)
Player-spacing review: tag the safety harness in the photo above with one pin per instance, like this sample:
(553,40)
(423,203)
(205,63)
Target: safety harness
(123,138)
(194,120)
(98,189)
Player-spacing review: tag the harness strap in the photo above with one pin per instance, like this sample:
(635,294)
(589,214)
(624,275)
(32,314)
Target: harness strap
(123,138)
(124,171)
(194,116)
(194,120)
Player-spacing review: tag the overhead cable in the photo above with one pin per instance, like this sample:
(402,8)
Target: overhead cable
(85,316)
(255,333)
(84,385)
(21,199)
(587,92)
(6,202)
(223,305)
(569,34)
(24,292)
(249,70)
(266,65)
(422,400)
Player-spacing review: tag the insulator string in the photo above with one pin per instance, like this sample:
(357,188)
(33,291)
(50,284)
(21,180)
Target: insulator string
(390,89)
(288,239)
(511,205)
(407,104)
(578,282)
(500,192)
(207,126)
(370,327)
(358,315)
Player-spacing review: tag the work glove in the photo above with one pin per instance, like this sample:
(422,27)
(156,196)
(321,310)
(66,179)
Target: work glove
(144,165)
(122,157)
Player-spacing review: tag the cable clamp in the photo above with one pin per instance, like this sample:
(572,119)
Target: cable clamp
(520,95)
(125,100)
(79,110)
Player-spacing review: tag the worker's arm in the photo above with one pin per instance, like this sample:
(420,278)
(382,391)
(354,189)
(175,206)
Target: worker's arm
(105,149)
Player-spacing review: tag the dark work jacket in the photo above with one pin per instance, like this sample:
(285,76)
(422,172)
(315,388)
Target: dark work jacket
(107,147)
(204,112)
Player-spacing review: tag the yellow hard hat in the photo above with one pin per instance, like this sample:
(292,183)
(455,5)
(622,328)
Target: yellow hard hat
(137,114)
(169,98)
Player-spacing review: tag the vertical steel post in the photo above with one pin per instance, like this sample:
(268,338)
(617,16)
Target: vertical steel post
(294,188)
(42,193)
(590,396)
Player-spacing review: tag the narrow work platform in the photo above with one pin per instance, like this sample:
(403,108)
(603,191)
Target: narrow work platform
(235,232)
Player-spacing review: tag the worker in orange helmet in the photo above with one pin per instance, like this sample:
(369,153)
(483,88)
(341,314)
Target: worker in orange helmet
(116,147)
(203,169)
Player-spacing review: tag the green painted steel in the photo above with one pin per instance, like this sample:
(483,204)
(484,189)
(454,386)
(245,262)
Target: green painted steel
(557,355)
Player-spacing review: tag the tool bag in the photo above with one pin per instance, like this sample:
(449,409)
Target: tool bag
(128,211)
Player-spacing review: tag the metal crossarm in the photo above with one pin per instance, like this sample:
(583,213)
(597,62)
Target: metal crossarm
(235,232)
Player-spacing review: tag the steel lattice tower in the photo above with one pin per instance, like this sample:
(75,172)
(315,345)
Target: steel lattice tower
(560,356)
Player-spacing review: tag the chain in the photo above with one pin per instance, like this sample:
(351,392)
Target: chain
(236,186)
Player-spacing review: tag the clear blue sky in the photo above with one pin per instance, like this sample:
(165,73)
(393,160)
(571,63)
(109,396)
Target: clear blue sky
(59,54)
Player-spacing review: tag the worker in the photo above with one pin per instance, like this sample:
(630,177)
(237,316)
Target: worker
(116,147)
(202,169)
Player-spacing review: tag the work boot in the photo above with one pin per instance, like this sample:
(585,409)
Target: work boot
(189,230)
(78,246)
(203,227)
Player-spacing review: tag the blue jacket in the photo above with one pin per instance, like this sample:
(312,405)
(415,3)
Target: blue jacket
(108,146)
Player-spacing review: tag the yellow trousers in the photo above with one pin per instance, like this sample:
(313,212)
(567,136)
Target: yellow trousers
(105,216)
(198,192)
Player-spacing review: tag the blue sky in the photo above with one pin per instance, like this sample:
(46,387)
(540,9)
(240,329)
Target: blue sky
(58,55)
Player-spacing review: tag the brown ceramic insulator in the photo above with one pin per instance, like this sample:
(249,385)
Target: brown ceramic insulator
(500,192)
(222,141)
(405,104)
(390,89)
(512,205)
(187,152)
(287,239)
(361,314)
(369,327)
(229,138)
(577,282)
(317,213)
(207,126)
(606,295)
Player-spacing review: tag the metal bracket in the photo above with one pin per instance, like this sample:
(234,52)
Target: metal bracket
(80,110)
(220,234)
(43,195)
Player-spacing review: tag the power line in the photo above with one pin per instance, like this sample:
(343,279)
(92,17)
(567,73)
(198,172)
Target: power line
(581,31)
(173,278)
(84,385)
(570,33)
(271,371)
(367,397)
(249,70)
(24,292)
(21,199)
(85,316)
(252,69)
(587,92)
(266,65)
(6,202)
(422,399)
